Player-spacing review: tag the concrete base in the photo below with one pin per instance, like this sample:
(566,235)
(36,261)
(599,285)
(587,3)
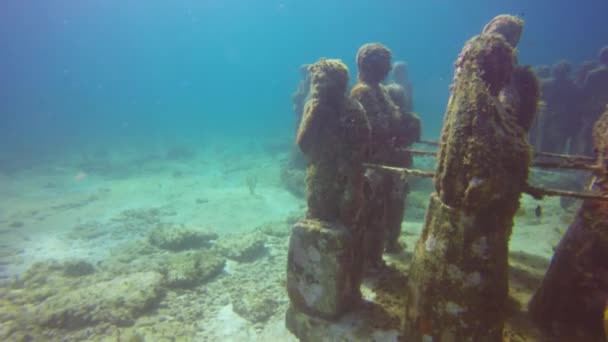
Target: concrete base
(354,326)
(322,276)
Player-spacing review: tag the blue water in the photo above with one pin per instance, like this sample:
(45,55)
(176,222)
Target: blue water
(83,81)
(75,71)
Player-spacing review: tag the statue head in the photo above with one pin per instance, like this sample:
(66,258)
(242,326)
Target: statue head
(328,77)
(374,63)
(400,74)
(508,26)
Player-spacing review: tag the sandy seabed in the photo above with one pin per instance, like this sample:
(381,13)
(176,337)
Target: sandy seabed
(100,208)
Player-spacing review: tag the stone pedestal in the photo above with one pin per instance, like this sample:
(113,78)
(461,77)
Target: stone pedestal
(322,271)
(458,278)
(354,326)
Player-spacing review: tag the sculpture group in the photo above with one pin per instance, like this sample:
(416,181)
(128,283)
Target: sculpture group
(357,149)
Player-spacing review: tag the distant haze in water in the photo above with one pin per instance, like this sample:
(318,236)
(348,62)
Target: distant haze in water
(77,71)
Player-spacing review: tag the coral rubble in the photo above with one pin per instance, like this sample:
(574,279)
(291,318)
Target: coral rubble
(130,297)
(190,269)
(178,238)
(244,247)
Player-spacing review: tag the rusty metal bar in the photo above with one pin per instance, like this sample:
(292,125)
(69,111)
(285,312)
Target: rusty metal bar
(564,156)
(571,165)
(428,142)
(539,193)
(536,192)
(421,153)
(402,170)
(536,154)
(566,164)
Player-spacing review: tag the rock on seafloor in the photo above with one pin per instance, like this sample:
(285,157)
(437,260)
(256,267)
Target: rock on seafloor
(190,269)
(178,238)
(245,247)
(118,301)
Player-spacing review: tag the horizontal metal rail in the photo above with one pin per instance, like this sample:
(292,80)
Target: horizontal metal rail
(534,191)
(428,142)
(536,154)
(402,170)
(568,162)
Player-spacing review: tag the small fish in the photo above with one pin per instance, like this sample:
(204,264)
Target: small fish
(80,176)
(538,211)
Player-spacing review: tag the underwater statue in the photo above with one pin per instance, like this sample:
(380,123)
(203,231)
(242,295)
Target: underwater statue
(401,93)
(324,269)
(573,297)
(458,279)
(595,96)
(391,134)
(571,104)
(602,56)
(401,89)
(559,120)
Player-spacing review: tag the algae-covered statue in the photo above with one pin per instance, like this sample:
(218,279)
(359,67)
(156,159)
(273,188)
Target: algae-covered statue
(595,96)
(323,272)
(458,280)
(401,89)
(572,103)
(391,133)
(401,93)
(559,121)
(573,297)
(333,134)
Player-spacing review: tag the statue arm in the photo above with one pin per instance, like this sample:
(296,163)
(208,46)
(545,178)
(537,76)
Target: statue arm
(409,129)
(309,127)
(360,128)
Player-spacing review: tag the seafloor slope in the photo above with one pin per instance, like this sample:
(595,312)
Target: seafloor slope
(181,245)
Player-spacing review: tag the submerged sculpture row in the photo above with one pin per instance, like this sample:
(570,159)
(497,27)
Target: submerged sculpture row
(457,283)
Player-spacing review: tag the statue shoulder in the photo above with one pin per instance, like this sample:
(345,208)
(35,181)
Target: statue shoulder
(311,103)
(360,89)
(352,105)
